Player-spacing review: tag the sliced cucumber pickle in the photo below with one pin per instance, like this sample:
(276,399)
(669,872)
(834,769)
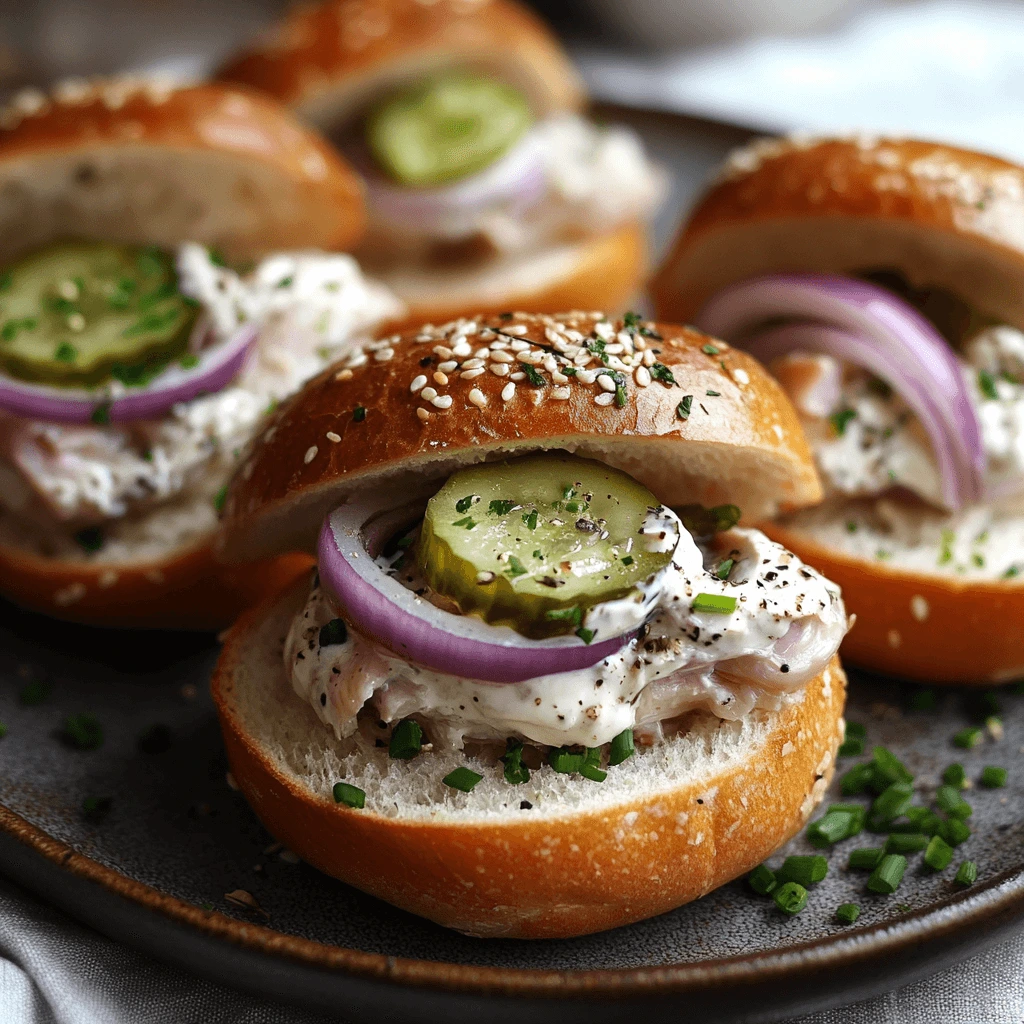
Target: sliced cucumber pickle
(534,543)
(446,128)
(81,313)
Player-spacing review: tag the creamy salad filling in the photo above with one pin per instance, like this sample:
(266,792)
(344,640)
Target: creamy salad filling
(311,308)
(785,624)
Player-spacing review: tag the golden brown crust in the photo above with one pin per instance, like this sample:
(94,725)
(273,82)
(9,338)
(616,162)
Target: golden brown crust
(187,590)
(744,443)
(82,129)
(607,274)
(915,626)
(325,59)
(942,216)
(679,845)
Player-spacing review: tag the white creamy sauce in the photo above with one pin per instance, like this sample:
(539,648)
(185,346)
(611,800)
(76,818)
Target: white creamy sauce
(787,623)
(311,308)
(596,179)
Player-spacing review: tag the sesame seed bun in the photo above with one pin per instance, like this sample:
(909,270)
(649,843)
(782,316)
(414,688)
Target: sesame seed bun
(329,60)
(668,825)
(736,438)
(941,217)
(130,160)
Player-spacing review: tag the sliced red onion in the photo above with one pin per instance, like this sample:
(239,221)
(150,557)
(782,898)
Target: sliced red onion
(516,181)
(870,327)
(218,365)
(461,645)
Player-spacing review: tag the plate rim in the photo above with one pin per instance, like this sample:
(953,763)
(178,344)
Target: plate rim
(997,903)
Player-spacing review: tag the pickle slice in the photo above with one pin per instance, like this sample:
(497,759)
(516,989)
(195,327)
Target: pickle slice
(446,128)
(81,313)
(533,543)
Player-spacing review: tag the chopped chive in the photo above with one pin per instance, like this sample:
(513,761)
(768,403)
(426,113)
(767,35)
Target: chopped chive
(621,747)
(565,761)
(923,700)
(840,419)
(967,873)
(891,803)
(993,777)
(805,871)
(82,731)
(717,604)
(530,518)
(709,350)
(33,694)
(350,796)
(500,507)
(627,560)
(100,414)
(790,898)
(406,740)
(968,738)
(219,498)
(462,778)
(857,780)
(906,842)
(847,913)
(591,767)
(515,771)
(631,321)
(855,730)
(661,372)
(571,615)
(887,876)
(858,813)
(620,396)
(954,831)
(536,379)
(920,819)
(948,798)
(463,504)
(467,522)
(188,361)
(333,632)
(515,567)
(865,859)
(938,854)
(66,353)
(831,828)
(987,384)
(713,394)
(955,776)
(890,767)
(359,413)
(852,747)
(762,880)
(724,568)
(683,408)
(586,635)
(3,730)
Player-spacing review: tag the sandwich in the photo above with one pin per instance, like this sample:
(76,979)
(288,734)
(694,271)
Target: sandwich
(881,281)
(487,188)
(162,285)
(541,682)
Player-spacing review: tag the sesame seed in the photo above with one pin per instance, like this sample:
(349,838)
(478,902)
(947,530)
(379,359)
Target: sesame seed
(443,351)
(440,378)
(310,454)
(919,608)
(498,344)
(561,394)
(442,401)
(356,359)
(417,383)
(502,357)
(332,437)
(517,329)
(642,376)
(429,394)
(472,374)
(424,414)
(604,398)
(518,375)
(481,354)
(343,375)
(586,376)
(559,378)
(68,290)
(650,358)
(519,346)
(606,382)
(478,398)
(461,348)
(472,364)
(423,338)
(76,322)
(499,369)
(741,376)
(508,391)
(448,365)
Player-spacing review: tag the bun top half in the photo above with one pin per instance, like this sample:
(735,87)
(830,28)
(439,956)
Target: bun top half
(138,161)
(938,216)
(329,60)
(704,424)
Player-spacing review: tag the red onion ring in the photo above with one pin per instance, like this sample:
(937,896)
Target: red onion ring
(218,365)
(517,179)
(870,327)
(393,616)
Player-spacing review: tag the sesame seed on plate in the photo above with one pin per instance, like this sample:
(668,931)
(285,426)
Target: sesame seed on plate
(499,369)
(560,394)
(442,401)
(508,391)
(417,383)
(429,394)
(478,398)
(333,437)
(604,398)
(310,454)
(741,376)
(440,378)
(424,414)
(471,374)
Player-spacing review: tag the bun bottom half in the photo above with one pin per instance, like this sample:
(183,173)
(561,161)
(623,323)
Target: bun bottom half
(183,590)
(556,857)
(916,626)
(604,272)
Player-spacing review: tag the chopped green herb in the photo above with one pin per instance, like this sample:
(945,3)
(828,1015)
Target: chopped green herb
(833,827)
(620,396)
(906,842)
(33,694)
(709,349)
(463,504)
(968,738)
(948,799)
(847,913)
(967,873)
(702,521)
(515,772)
(569,371)
(572,615)
(6,280)
(661,372)
(500,507)
(987,385)
(919,819)
(922,700)
(631,321)
(852,747)
(621,747)
(955,776)
(855,729)
(515,567)
(463,779)
(591,767)
(219,498)
(565,761)
(762,880)
(891,803)
(858,814)
(3,730)
(96,808)
(790,898)
(851,526)
(713,394)
(406,740)
(683,408)
(530,518)
(359,414)
(82,731)
(887,876)
(586,635)
(350,796)
(467,522)
(890,767)
(333,633)
(100,414)
(978,559)
(724,568)
(66,352)
(938,854)
(865,859)
(535,378)
(90,539)
(806,871)
(188,361)
(840,419)
(627,559)
(993,777)
(717,604)
(946,548)
(954,831)
(285,282)
(1011,572)
(857,780)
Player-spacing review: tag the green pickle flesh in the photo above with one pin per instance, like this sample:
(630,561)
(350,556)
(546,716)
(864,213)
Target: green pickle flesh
(446,128)
(80,313)
(513,542)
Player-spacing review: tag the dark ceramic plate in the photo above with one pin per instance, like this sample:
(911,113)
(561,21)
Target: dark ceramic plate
(155,871)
